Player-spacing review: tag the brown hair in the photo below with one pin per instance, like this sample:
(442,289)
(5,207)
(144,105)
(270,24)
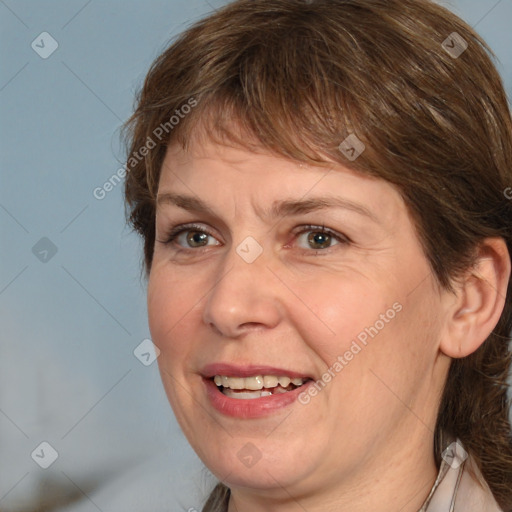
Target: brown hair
(300,76)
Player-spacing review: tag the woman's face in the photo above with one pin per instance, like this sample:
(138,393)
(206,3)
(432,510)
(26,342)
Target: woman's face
(257,292)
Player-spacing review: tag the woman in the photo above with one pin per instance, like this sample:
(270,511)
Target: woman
(320,189)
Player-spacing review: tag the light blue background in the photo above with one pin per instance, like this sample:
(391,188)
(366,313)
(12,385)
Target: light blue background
(69,326)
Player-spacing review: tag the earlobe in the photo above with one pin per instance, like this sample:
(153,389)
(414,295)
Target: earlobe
(479,300)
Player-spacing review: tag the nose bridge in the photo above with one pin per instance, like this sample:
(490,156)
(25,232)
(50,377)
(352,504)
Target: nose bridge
(243,293)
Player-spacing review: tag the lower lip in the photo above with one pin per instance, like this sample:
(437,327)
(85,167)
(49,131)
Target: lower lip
(250,408)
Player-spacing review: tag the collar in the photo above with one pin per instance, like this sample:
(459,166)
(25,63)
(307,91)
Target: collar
(460,486)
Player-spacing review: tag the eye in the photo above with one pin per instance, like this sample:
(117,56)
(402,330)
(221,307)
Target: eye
(320,238)
(189,236)
(195,236)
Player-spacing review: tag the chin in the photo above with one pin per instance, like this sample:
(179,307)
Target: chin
(256,463)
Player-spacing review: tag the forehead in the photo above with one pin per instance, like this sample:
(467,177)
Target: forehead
(227,175)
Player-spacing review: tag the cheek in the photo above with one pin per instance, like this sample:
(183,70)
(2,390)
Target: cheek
(170,311)
(342,310)
(367,329)
(171,305)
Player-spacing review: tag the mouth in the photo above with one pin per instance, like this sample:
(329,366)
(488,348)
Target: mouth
(258,386)
(252,391)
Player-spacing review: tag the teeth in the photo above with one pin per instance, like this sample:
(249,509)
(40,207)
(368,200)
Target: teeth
(284,381)
(246,395)
(235,383)
(256,383)
(269,381)
(252,383)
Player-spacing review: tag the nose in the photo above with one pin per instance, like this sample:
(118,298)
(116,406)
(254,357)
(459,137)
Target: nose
(245,296)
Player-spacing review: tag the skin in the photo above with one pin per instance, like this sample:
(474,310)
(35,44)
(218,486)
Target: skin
(365,442)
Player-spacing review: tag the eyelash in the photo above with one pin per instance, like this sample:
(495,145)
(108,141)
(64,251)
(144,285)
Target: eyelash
(175,232)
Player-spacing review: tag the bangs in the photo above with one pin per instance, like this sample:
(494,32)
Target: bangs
(260,119)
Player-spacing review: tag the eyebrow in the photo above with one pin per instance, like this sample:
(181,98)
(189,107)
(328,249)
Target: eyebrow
(284,208)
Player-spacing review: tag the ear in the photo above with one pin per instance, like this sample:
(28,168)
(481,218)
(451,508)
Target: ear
(476,307)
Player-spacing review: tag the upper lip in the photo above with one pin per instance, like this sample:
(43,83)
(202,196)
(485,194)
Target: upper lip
(233,370)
